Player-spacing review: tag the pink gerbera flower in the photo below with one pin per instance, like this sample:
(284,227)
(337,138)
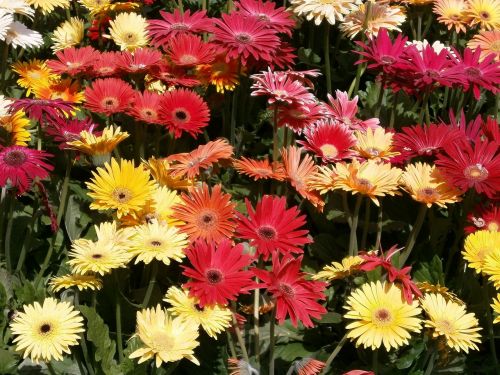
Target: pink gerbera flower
(272,227)
(172,24)
(466,166)
(278,19)
(146,107)
(470,130)
(217,272)
(344,110)
(190,50)
(64,130)
(184,111)
(73,60)
(105,64)
(138,61)
(43,109)
(329,140)
(20,165)
(108,96)
(245,37)
(284,56)
(295,296)
(483,218)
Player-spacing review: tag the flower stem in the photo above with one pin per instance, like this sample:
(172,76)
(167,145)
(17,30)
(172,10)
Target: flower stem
(353,240)
(239,336)
(28,238)
(380,99)
(430,364)
(151,285)
(233,117)
(489,318)
(231,344)
(375,361)
(118,319)
(366,223)
(83,342)
(380,216)
(424,108)
(326,48)
(412,239)
(272,340)
(50,368)
(336,351)
(275,134)
(8,233)
(392,119)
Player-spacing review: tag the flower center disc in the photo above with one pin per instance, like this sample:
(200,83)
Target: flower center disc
(267,233)
(287,290)
(243,38)
(214,276)
(382,317)
(14,158)
(122,195)
(476,172)
(329,150)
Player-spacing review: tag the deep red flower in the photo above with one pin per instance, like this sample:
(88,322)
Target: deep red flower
(43,109)
(217,272)
(245,37)
(20,165)
(64,130)
(173,75)
(344,110)
(483,218)
(299,116)
(73,60)
(402,278)
(329,140)
(491,129)
(271,227)
(146,107)
(190,50)
(295,296)
(108,96)
(172,24)
(284,57)
(471,130)
(105,64)
(98,27)
(466,166)
(139,61)
(184,111)
(278,19)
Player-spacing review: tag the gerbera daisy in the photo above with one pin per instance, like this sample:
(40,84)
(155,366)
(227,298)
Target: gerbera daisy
(63,131)
(190,50)
(425,185)
(484,218)
(259,169)
(332,11)
(44,332)
(73,60)
(128,31)
(297,170)
(158,241)
(183,110)
(295,296)
(109,232)
(161,170)
(298,117)
(213,319)
(485,13)
(348,266)
(99,146)
(323,180)
(478,246)
(33,73)
(64,89)
(369,178)
(6,19)
(224,75)
(17,6)
(426,287)
(48,6)
(452,13)
(16,125)
(276,18)
(381,316)
(82,282)
(217,273)
(272,227)
(43,110)
(207,216)
(449,319)
(307,366)
(105,64)
(21,165)
(244,38)
(172,24)
(108,96)
(18,35)
(371,17)
(120,186)
(488,42)
(466,166)
(165,339)
(496,308)
(239,366)
(141,60)
(68,34)
(344,110)
(375,144)
(491,268)
(146,107)
(191,164)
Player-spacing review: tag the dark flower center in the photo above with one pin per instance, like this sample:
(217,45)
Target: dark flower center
(214,276)
(97,256)
(14,158)
(287,290)
(243,38)
(45,328)
(122,195)
(110,103)
(180,115)
(484,15)
(156,243)
(267,233)
(263,17)
(207,220)
(382,316)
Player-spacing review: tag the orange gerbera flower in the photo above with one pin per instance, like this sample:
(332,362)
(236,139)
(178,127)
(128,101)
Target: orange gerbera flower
(207,216)
(224,75)
(161,171)
(488,41)
(64,89)
(191,163)
(260,169)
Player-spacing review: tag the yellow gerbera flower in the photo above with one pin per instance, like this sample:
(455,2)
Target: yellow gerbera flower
(33,73)
(450,320)
(369,178)
(16,125)
(80,281)
(372,16)
(213,319)
(323,180)
(331,10)
(165,339)
(478,246)
(496,308)
(68,34)
(109,232)
(99,146)
(381,316)
(121,187)
(336,270)
(425,185)
(162,173)
(220,73)
(98,7)
(452,13)
(65,89)
(426,287)
(375,144)
(485,13)
(44,332)
(48,6)
(491,267)
(129,31)
(488,41)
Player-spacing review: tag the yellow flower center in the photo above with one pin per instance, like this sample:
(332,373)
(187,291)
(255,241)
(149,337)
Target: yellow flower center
(162,342)
(427,195)
(445,326)
(493,226)
(382,317)
(122,195)
(188,60)
(363,185)
(476,172)
(329,150)
(495,46)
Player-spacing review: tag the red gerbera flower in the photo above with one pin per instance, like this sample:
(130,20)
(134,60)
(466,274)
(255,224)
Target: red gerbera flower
(73,60)
(184,111)
(401,277)
(105,64)
(162,31)
(217,273)
(190,50)
(294,295)
(139,61)
(43,109)
(272,227)
(245,37)
(108,96)
(284,57)
(483,218)
(299,116)
(470,131)
(491,129)
(63,131)
(146,107)
(344,110)
(20,165)
(329,140)
(475,167)
(173,75)
(98,27)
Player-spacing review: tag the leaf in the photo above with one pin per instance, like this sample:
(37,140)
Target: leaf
(406,359)
(431,272)
(330,318)
(130,366)
(292,351)
(307,56)
(322,246)
(8,362)
(98,334)
(74,219)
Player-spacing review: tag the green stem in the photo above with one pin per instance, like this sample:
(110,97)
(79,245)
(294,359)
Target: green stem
(275,134)
(354,87)
(332,356)
(326,48)
(140,133)
(430,364)
(83,342)
(375,361)
(239,336)
(272,340)
(181,7)
(347,210)
(489,318)
(497,106)
(118,319)
(353,240)
(380,99)
(172,367)
(380,215)
(419,26)
(3,213)
(412,239)
(50,368)
(366,223)
(151,285)
(234,101)
(230,342)
(392,119)
(28,239)
(8,234)
(423,109)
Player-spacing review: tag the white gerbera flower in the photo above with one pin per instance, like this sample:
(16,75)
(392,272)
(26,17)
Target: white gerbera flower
(4,106)
(20,36)
(17,6)
(5,20)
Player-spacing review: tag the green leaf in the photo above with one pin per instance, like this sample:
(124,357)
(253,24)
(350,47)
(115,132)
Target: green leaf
(307,56)
(406,359)
(98,335)
(8,362)
(330,318)
(431,272)
(292,351)
(129,366)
